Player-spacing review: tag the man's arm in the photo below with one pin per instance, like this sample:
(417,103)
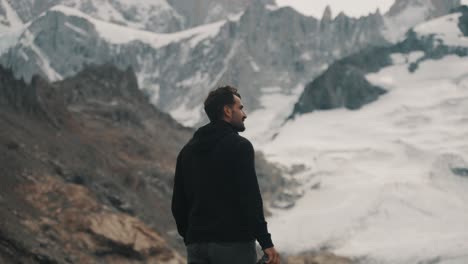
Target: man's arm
(179,202)
(250,195)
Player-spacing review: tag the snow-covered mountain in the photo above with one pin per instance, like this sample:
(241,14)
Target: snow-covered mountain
(236,51)
(386,183)
(264,50)
(63,40)
(160,16)
(156,16)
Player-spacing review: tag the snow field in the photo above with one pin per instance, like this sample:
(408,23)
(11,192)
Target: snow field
(386,186)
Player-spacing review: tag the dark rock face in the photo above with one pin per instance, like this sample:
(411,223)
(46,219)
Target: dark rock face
(344,83)
(462,172)
(16,93)
(463,22)
(340,86)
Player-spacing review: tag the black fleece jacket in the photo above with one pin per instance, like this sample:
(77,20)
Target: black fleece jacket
(216,197)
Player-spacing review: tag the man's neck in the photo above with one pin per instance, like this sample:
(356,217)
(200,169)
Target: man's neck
(224,122)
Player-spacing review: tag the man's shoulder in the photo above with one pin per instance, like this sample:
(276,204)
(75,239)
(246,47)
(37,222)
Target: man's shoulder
(244,140)
(242,143)
(235,143)
(238,139)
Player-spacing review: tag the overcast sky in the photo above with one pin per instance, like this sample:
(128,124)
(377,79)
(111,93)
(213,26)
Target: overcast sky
(354,8)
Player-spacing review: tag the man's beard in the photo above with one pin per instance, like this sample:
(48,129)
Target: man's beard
(239,127)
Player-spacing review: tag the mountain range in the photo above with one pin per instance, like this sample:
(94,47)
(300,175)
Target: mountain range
(252,49)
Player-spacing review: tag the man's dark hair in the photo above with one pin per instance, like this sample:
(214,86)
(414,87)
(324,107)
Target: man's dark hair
(217,99)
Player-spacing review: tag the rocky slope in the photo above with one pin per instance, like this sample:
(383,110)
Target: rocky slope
(84,181)
(87,171)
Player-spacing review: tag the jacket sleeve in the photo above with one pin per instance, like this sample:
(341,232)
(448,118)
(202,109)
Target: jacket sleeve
(251,198)
(179,201)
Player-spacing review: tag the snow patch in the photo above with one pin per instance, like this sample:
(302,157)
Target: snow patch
(396,26)
(9,39)
(117,34)
(254,65)
(11,16)
(24,55)
(187,116)
(235,17)
(406,58)
(76,29)
(306,56)
(198,78)
(276,105)
(272,7)
(444,29)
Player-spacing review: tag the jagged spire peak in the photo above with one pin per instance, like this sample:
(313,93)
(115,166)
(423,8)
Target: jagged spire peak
(327,14)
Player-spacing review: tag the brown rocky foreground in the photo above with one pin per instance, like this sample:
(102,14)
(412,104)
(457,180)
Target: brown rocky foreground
(70,214)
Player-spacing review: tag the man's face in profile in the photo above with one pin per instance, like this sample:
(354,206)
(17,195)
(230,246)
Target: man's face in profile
(238,115)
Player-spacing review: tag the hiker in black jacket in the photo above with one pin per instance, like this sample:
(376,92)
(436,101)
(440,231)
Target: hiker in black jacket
(216,200)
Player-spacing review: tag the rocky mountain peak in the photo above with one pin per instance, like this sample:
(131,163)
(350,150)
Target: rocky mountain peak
(378,12)
(327,14)
(156,16)
(198,12)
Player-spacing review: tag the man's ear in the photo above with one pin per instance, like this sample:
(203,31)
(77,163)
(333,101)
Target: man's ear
(227,111)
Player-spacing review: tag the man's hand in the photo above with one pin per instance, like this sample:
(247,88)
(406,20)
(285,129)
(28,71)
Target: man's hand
(273,256)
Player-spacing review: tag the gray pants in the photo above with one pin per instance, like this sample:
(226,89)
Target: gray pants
(222,253)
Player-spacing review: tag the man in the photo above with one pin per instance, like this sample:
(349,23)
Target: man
(216,201)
